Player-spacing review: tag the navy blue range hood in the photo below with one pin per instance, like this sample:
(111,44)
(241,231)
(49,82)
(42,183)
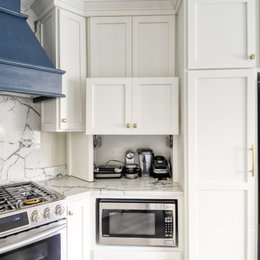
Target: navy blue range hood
(25,69)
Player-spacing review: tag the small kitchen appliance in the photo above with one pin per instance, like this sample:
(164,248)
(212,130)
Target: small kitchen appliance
(161,168)
(145,161)
(137,222)
(108,171)
(32,222)
(131,169)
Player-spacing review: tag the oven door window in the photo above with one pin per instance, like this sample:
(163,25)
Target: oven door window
(47,249)
(133,223)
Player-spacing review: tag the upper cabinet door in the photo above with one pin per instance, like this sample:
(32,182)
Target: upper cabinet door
(110,47)
(153,46)
(72,58)
(109,105)
(155,106)
(221,34)
(63,36)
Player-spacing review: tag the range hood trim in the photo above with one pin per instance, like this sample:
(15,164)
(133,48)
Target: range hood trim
(33,67)
(11,12)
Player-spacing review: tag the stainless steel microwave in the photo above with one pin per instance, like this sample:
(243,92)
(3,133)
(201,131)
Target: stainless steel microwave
(137,222)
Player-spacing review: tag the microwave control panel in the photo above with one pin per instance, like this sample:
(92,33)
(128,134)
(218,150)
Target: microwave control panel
(168,224)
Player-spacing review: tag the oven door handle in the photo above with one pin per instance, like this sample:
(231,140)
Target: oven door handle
(29,237)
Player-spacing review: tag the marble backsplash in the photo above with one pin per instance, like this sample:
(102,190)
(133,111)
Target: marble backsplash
(20,141)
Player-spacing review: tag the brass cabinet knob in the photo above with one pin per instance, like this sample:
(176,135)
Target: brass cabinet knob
(135,125)
(64,120)
(70,212)
(128,125)
(252,57)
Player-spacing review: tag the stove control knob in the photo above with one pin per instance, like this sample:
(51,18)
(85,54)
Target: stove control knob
(35,216)
(59,210)
(47,213)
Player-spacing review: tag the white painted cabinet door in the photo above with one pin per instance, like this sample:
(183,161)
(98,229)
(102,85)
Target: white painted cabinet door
(109,105)
(135,255)
(221,186)
(221,34)
(50,108)
(63,36)
(77,230)
(72,58)
(153,46)
(155,106)
(110,47)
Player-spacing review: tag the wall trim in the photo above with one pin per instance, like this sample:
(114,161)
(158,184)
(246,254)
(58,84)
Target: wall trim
(88,8)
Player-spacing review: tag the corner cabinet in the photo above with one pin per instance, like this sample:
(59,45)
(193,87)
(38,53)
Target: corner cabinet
(221,34)
(63,36)
(221,178)
(132,106)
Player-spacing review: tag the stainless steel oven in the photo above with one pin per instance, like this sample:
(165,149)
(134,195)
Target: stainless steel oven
(44,242)
(137,222)
(32,223)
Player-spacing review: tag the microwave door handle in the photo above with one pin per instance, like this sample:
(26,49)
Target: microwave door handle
(27,238)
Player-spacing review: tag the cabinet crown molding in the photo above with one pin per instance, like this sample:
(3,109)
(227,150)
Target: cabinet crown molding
(88,8)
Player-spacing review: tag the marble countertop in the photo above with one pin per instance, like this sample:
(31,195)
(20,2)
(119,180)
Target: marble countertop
(140,187)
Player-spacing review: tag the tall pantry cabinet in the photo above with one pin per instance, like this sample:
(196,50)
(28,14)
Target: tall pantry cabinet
(221,133)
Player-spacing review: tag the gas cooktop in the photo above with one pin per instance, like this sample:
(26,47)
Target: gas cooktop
(22,195)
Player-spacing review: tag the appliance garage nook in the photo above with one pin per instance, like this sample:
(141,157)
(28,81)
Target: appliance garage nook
(128,129)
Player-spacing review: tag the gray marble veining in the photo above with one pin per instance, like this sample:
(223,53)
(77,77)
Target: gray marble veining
(145,186)
(20,141)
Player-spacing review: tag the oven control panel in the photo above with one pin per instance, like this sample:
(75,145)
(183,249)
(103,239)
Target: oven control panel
(14,221)
(31,217)
(47,213)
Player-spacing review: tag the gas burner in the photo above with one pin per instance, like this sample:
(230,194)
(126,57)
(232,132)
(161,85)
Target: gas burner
(25,193)
(21,195)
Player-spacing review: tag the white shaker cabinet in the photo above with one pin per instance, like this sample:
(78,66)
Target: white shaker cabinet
(110,47)
(153,46)
(221,182)
(132,106)
(77,229)
(221,34)
(132,46)
(63,36)
(109,105)
(155,106)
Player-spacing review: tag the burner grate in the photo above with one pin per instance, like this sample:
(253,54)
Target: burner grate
(22,195)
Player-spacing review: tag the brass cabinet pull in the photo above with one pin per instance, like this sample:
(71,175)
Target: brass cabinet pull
(135,125)
(128,125)
(64,120)
(253,160)
(252,57)
(70,212)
